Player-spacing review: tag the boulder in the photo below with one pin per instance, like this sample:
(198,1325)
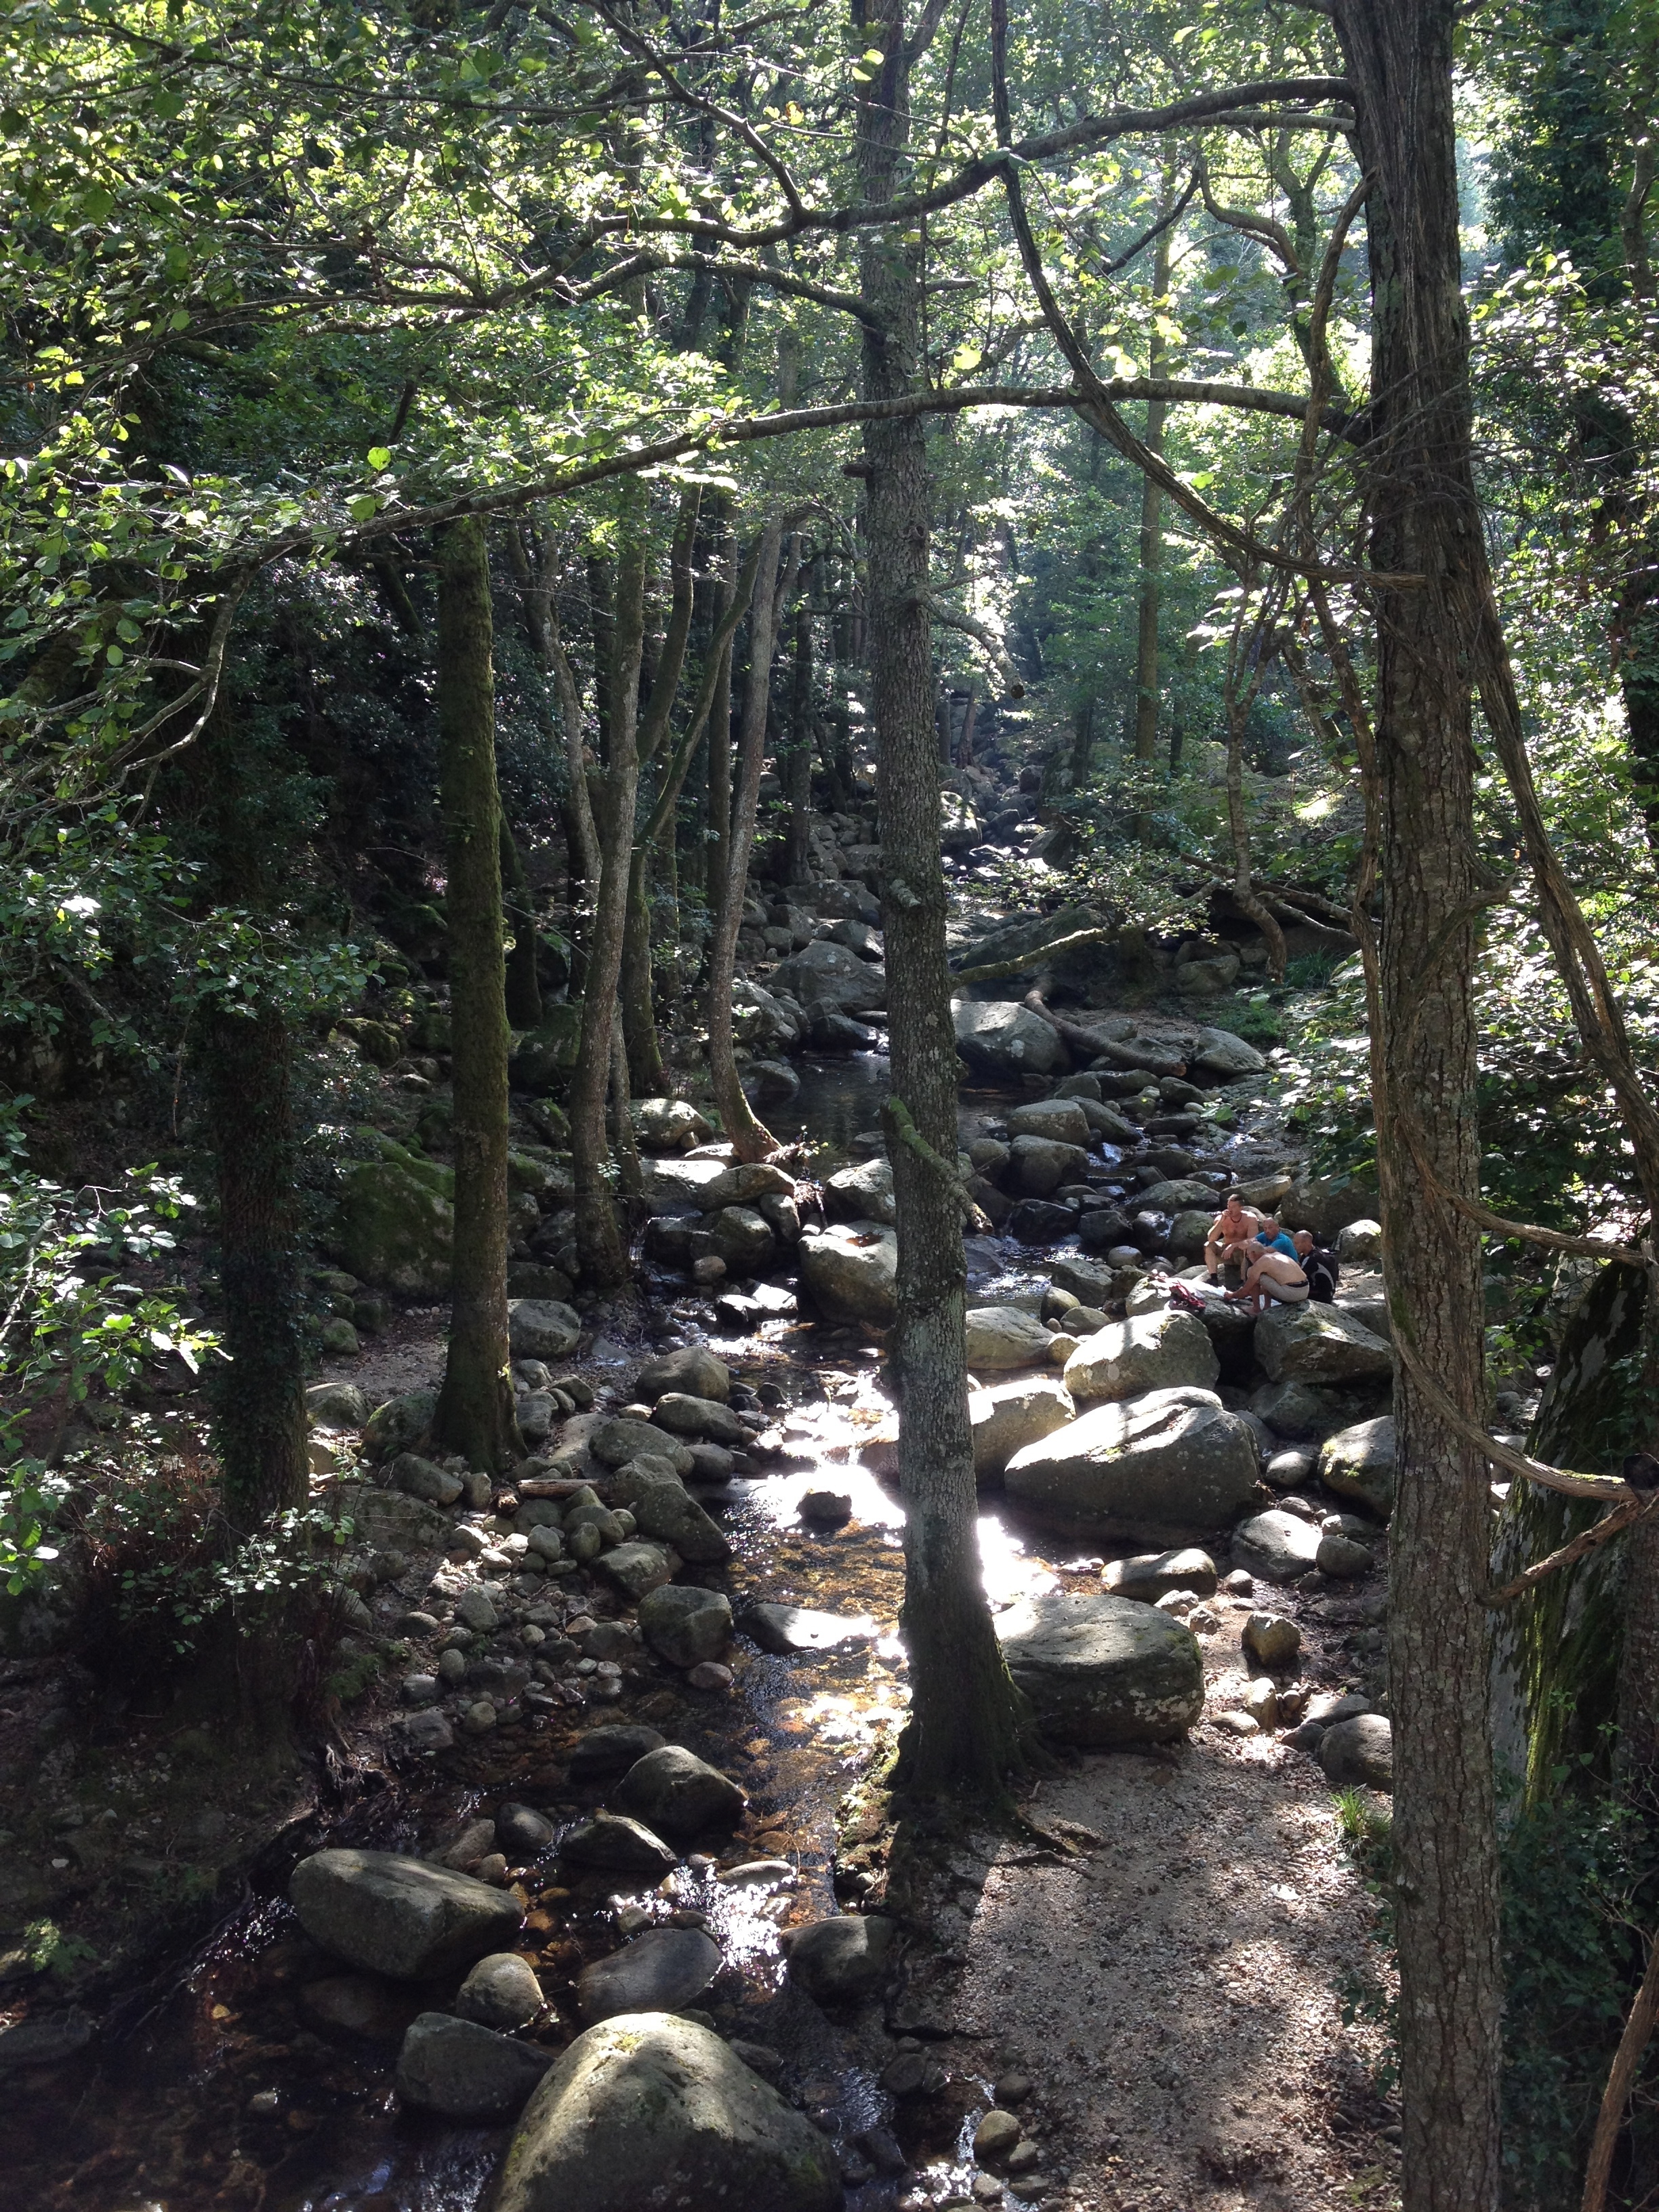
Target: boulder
(1008,1416)
(1169,1467)
(1040,1164)
(393,1222)
(612,1750)
(402,1424)
(1342,1558)
(783,1628)
(543,1056)
(1219,1052)
(742,1184)
(1358,1243)
(501,1991)
(691,1369)
(1206,979)
(863,1192)
(850,1269)
(840,1958)
(614,1841)
(1301,1410)
(685,1626)
(669,1125)
(1358,1462)
(1103,1670)
(682,1415)
(1039,1221)
(1280,1546)
(677,1793)
(464,2072)
(1091,1282)
(541,1329)
(1152,1575)
(828,974)
(615,1442)
(636,1568)
(1359,1751)
(336,1406)
(1320,1344)
(1325,1207)
(662,1971)
(668,1511)
(402,1917)
(1062,1119)
(1178,1196)
(1002,1037)
(763,1023)
(1190,1232)
(1001,1337)
(648,2109)
(743,1239)
(1150,1351)
(422,1478)
(1271,1640)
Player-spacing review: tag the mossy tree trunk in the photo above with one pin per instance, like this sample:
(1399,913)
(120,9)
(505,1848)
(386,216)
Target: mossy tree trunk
(475,1406)
(1426,523)
(964,1739)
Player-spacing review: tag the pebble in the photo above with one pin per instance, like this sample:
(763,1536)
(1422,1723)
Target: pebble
(419,1689)
(1238,1584)
(709,1674)
(478,1719)
(1261,1702)
(265,2105)
(1013,2088)
(1236,1724)
(475,1609)
(452,1664)
(996,2135)
(1270,1639)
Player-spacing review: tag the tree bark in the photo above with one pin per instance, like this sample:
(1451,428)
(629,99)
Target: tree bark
(963,1739)
(599,1237)
(475,1411)
(1151,525)
(1426,522)
(750,1138)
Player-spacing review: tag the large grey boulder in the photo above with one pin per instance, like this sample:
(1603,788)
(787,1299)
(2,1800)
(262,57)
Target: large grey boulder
(742,1238)
(842,1958)
(1149,1351)
(1092,1280)
(402,1424)
(677,1793)
(502,1990)
(1041,1164)
(785,1630)
(828,974)
(466,2072)
(745,1183)
(850,1269)
(615,1442)
(1219,1052)
(685,1626)
(669,1125)
(402,1917)
(1360,1750)
(668,1511)
(1177,1196)
(1325,1207)
(863,1192)
(337,1405)
(691,1369)
(1358,1462)
(662,1971)
(541,1329)
(1280,1546)
(1152,1575)
(1008,1416)
(1001,1337)
(649,2110)
(1314,1343)
(1002,1037)
(613,1840)
(1302,1410)
(1062,1119)
(1169,1468)
(684,1415)
(1101,1670)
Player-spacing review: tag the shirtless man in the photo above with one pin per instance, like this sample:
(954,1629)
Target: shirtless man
(1271,1274)
(1230,1234)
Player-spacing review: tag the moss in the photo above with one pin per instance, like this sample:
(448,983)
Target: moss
(394,1222)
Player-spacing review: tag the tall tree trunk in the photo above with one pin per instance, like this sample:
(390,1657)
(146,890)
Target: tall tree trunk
(963,1738)
(259,1425)
(599,1236)
(751,1138)
(1426,523)
(798,764)
(523,989)
(475,1411)
(1152,523)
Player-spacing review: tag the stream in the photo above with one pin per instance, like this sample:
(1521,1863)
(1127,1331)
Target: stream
(251,2077)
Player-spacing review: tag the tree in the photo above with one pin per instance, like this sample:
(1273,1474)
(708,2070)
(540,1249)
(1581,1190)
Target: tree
(475,1411)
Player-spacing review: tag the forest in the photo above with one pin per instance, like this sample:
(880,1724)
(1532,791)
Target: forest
(830,1106)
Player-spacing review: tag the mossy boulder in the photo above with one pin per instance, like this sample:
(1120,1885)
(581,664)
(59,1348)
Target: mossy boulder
(394,1221)
(543,1056)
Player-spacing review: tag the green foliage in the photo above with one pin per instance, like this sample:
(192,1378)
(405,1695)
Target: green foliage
(1580,1875)
(50,1949)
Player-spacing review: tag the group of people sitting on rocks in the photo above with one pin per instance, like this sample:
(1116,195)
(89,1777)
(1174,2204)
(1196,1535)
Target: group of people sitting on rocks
(1272,1264)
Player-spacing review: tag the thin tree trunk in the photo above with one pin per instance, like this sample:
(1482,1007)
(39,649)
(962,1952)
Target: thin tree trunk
(475,1411)
(750,1138)
(523,989)
(599,1237)
(964,1735)
(797,766)
(1621,2080)
(1151,521)
(1426,522)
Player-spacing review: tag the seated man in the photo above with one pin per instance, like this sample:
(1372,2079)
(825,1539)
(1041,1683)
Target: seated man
(1321,1267)
(1271,1273)
(1230,1233)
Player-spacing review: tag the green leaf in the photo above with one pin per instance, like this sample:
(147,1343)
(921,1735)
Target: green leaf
(378,457)
(364,507)
(96,202)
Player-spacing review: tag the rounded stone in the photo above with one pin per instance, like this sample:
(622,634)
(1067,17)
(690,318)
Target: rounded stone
(1103,1670)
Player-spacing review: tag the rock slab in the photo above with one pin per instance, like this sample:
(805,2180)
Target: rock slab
(399,1917)
(1103,1670)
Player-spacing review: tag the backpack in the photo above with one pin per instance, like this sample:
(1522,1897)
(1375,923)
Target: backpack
(1323,1270)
